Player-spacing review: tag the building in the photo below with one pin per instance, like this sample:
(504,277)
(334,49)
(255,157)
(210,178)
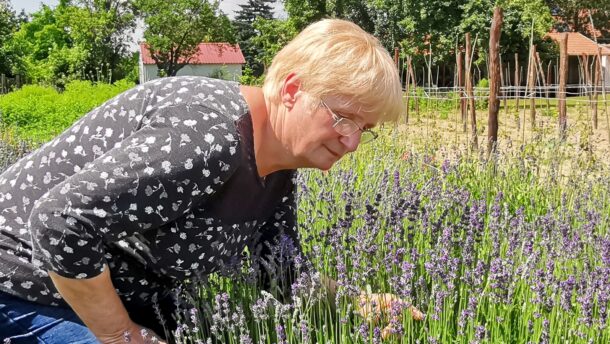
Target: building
(583,51)
(218,60)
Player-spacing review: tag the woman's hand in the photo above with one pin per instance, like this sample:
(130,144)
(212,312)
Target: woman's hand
(379,307)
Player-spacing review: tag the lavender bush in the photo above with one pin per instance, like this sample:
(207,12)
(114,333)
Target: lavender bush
(515,249)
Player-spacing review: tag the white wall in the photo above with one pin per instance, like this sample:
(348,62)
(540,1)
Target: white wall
(230,72)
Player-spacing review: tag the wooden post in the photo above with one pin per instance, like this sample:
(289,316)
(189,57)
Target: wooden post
(414,86)
(603,80)
(470,93)
(542,78)
(563,77)
(494,80)
(549,82)
(396,57)
(596,79)
(502,84)
(531,82)
(408,88)
(506,92)
(517,82)
(2,84)
(460,75)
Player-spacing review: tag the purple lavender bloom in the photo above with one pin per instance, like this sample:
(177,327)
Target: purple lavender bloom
(567,288)
(281,334)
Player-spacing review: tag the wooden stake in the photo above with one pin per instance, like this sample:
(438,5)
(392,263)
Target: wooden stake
(531,82)
(563,77)
(517,82)
(494,80)
(408,91)
(598,75)
(470,93)
(460,72)
(414,86)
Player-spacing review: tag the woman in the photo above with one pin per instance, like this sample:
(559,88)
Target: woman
(171,179)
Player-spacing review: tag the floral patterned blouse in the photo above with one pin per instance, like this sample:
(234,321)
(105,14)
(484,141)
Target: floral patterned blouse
(159,185)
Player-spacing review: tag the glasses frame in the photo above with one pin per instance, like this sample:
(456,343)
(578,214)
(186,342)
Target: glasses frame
(341,119)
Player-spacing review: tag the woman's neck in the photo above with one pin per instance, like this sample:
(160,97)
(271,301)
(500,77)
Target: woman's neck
(269,152)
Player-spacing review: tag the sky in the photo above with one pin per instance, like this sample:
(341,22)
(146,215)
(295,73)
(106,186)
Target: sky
(227,6)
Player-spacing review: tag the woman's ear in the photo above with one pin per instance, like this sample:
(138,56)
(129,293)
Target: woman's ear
(290,89)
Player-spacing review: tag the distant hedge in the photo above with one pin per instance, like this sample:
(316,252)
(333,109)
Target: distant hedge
(38,113)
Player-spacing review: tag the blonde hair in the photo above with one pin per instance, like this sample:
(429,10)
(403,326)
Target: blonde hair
(336,57)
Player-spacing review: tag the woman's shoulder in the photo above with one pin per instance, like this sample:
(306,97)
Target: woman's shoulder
(202,93)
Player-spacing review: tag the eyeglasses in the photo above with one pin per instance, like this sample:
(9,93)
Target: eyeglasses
(346,127)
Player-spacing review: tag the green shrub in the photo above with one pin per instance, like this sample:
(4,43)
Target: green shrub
(39,113)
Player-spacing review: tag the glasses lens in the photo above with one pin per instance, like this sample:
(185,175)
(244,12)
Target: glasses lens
(367,136)
(346,127)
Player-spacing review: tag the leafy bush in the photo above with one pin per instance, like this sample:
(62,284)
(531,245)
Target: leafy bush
(39,113)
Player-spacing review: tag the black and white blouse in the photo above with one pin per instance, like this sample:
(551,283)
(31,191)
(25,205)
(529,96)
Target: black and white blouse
(159,185)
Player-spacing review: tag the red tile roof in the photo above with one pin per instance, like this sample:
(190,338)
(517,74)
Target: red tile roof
(579,45)
(207,53)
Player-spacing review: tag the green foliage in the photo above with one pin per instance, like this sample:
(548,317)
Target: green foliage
(245,31)
(577,15)
(101,28)
(73,41)
(175,28)
(248,78)
(482,94)
(274,35)
(8,24)
(39,113)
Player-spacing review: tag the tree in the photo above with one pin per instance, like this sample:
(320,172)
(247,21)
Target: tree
(245,31)
(8,24)
(576,15)
(100,27)
(43,50)
(174,29)
(274,35)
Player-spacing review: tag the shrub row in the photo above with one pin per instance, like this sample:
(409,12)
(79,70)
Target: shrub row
(38,113)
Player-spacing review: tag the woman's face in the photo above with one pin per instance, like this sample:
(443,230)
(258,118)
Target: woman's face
(309,133)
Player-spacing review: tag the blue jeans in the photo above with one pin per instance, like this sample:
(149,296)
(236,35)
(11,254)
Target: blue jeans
(25,322)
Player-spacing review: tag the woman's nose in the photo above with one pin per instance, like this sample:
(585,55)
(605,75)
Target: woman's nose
(351,142)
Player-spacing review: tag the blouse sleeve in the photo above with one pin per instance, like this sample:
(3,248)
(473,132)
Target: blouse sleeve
(152,177)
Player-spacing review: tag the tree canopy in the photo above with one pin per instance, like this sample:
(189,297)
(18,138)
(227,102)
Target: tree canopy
(245,31)
(174,29)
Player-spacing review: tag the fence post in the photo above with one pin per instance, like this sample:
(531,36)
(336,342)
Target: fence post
(2,84)
(563,76)
(494,81)
(473,113)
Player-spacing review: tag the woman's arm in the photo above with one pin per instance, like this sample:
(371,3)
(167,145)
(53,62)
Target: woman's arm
(99,307)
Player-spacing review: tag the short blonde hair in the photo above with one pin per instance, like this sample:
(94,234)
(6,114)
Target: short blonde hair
(336,57)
